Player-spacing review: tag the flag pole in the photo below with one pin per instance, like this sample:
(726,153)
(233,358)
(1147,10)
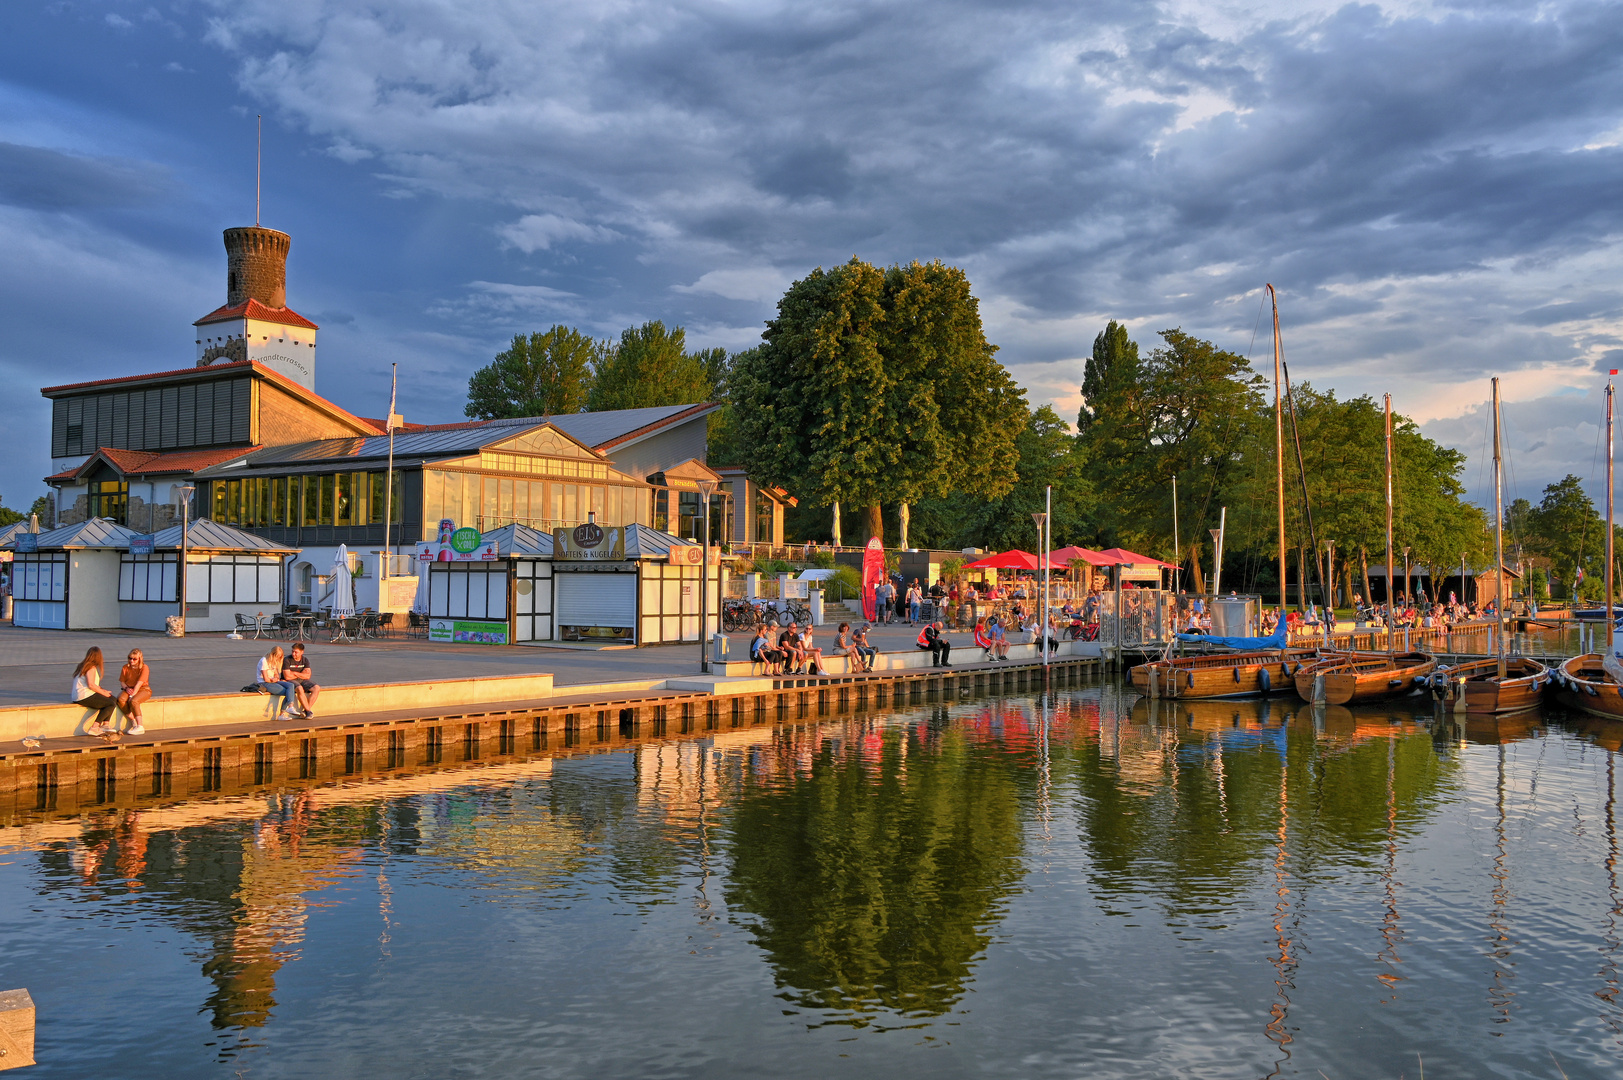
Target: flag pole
(388,476)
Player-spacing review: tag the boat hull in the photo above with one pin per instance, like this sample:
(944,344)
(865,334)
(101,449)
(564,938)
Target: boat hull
(1223,675)
(1584,685)
(1484,692)
(1350,678)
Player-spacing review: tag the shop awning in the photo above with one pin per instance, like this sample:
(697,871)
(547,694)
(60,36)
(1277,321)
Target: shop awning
(1007,560)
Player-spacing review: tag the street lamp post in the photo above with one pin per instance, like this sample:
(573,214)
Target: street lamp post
(1041,519)
(705,489)
(186,491)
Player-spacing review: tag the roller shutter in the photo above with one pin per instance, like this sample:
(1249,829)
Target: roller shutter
(596,599)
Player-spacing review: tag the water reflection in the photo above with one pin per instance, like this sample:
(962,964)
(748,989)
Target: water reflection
(1285,887)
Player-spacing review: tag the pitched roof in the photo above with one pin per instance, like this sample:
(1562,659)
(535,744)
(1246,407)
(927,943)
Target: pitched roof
(206,535)
(615,428)
(253,309)
(516,539)
(146,463)
(175,373)
(94,533)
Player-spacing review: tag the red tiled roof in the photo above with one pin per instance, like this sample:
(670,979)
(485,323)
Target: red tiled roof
(253,309)
(146,463)
(212,369)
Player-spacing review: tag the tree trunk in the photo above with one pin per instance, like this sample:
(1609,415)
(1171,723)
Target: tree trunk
(876,523)
(1363,564)
(1194,568)
(905,518)
(836,524)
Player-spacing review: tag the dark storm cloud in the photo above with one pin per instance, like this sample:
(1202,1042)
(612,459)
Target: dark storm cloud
(36,178)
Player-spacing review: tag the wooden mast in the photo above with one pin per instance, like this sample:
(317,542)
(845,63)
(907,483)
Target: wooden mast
(1498,544)
(1391,600)
(1279,455)
(1609,627)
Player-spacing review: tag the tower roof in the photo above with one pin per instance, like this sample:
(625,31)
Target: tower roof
(253,309)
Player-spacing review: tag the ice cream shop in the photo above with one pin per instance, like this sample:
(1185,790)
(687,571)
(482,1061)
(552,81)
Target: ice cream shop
(590,584)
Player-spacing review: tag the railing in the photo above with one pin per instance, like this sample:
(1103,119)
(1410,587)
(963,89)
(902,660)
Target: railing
(539,524)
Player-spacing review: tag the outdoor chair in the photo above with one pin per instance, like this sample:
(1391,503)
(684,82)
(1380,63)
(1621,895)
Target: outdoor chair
(345,628)
(246,623)
(385,625)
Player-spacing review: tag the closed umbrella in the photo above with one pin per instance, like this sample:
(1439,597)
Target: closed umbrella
(343,590)
(419,604)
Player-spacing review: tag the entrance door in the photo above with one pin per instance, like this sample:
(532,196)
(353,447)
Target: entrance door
(532,600)
(596,606)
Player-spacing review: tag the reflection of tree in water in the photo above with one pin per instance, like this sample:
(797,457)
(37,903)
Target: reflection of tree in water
(870,878)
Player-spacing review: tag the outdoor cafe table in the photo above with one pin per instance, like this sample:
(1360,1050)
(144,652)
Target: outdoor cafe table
(300,626)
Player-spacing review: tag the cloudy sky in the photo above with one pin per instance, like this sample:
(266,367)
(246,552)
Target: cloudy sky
(1434,188)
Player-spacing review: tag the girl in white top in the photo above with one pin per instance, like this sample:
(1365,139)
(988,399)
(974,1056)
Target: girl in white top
(269,676)
(87,691)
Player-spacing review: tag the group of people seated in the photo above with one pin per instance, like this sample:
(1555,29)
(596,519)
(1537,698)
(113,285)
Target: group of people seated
(795,651)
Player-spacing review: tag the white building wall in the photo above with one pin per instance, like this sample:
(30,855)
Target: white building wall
(288,350)
(93,590)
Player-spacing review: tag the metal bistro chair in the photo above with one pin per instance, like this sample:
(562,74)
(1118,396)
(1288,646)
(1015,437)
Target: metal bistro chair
(246,623)
(345,628)
(385,625)
(368,624)
(416,623)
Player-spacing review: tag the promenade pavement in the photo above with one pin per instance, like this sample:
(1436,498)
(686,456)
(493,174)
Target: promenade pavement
(36,666)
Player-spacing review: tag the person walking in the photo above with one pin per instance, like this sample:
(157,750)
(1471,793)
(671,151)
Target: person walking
(87,691)
(940,648)
(268,676)
(134,687)
(915,601)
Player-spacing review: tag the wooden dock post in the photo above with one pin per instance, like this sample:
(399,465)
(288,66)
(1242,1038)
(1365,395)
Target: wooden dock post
(16,1029)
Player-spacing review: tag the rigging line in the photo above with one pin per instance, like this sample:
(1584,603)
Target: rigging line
(1254,326)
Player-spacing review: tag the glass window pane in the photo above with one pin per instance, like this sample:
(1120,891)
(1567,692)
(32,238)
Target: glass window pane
(488,510)
(521,501)
(327,499)
(343,498)
(311,488)
(504,506)
(571,504)
(598,502)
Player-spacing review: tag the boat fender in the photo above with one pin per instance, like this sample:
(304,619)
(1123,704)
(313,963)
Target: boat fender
(1264,681)
(1394,682)
(1236,674)
(1191,676)
(1591,691)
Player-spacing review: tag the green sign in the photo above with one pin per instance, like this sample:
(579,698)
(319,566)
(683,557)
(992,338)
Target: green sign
(465,540)
(468,631)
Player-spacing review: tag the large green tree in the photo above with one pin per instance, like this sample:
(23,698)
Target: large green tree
(1566,529)
(878,386)
(544,374)
(650,366)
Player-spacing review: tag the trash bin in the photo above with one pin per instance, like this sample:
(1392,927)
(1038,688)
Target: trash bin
(718,648)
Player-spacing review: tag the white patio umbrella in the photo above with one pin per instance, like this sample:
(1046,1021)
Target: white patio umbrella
(419,605)
(343,591)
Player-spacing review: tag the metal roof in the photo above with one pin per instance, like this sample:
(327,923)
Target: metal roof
(645,542)
(12,530)
(597,428)
(206,535)
(520,540)
(95,533)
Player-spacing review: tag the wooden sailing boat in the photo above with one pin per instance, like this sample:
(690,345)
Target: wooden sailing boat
(1347,678)
(1498,685)
(1250,672)
(1584,681)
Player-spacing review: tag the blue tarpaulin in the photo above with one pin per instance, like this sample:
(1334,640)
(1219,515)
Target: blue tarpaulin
(1278,641)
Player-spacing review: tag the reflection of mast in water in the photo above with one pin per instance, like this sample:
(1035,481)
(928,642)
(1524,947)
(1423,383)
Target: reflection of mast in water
(1215,741)
(1391,932)
(1499,992)
(1285,962)
(1044,780)
(1608,969)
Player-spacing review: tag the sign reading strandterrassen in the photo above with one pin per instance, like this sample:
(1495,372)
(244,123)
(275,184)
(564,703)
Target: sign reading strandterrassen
(589,543)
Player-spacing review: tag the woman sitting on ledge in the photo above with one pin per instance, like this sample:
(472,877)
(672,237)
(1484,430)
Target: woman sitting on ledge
(87,691)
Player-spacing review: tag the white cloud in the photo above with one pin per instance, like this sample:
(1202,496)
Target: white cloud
(538,232)
(761,284)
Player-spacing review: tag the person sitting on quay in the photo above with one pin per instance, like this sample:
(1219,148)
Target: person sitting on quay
(762,652)
(815,664)
(1000,640)
(268,678)
(859,641)
(846,647)
(134,687)
(87,691)
(789,646)
(940,648)
(297,671)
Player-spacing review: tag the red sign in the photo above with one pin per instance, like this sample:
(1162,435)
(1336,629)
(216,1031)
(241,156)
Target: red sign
(873,572)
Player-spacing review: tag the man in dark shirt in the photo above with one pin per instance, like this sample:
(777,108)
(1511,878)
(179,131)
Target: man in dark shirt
(789,645)
(297,671)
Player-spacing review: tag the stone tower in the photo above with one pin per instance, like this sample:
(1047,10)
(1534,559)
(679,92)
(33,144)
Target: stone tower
(256,266)
(256,323)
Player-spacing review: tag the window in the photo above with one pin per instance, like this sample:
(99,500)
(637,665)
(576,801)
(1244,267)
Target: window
(764,533)
(149,578)
(110,499)
(662,510)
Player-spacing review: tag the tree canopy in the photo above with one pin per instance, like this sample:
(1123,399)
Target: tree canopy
(650,366)
(544,374)
(876,387)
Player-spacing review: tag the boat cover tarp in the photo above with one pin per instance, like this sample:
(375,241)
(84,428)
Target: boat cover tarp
(1277,641)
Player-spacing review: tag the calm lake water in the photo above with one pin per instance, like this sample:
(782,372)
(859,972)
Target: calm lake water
(1010,887)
